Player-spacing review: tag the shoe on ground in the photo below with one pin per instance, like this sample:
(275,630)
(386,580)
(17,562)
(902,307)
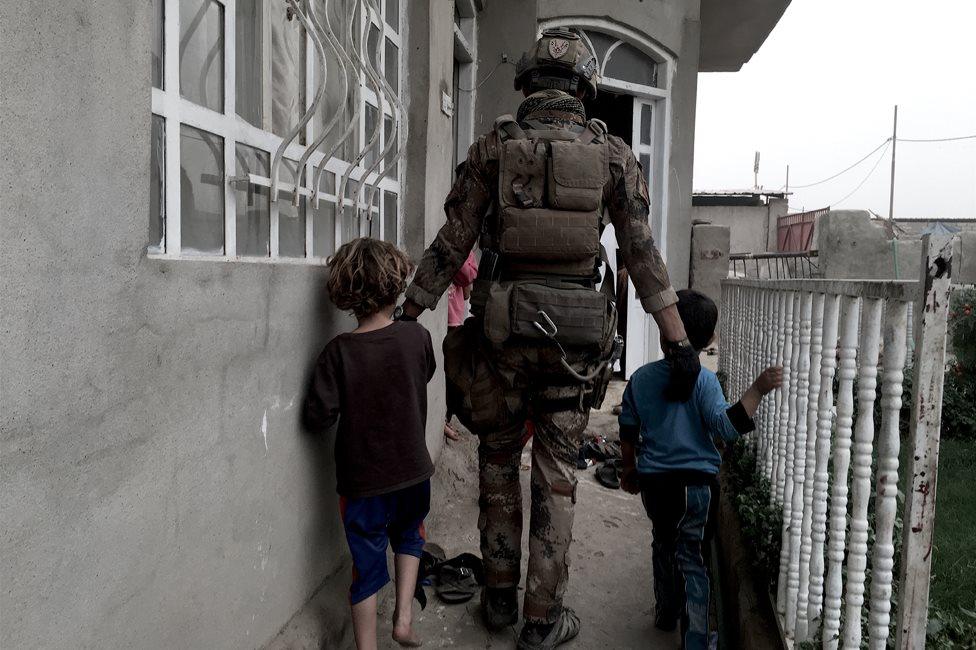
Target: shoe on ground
(537,636)
(499,607)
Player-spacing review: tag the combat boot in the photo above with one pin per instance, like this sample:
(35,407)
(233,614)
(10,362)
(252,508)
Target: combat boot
(499,607)
(539,636)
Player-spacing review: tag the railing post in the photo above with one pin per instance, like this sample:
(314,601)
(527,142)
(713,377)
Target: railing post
(825,419)
(810,460)
(772,401)
(785,333)
(802,372)
(850,313)
(886,479)
(790,434)
(857,551)
(919,517)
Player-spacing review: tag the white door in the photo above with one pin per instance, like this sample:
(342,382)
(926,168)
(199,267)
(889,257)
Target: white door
(643,344)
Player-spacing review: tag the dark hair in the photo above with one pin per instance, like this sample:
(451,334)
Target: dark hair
(366,275)
(699,315)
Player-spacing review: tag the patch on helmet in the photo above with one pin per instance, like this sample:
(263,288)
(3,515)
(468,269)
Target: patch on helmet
(558,47)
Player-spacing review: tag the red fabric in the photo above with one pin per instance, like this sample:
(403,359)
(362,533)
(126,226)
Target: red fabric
(455,293)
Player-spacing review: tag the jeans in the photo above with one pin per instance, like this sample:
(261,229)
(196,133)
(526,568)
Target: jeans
(681,510)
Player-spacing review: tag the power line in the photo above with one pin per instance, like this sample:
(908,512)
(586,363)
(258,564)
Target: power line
(843,171)
(870,173)
(961,137)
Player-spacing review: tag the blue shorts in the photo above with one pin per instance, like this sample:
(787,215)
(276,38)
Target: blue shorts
(373,523)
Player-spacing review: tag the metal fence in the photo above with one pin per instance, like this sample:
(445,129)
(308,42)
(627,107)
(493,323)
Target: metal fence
(812,442)
(774,266)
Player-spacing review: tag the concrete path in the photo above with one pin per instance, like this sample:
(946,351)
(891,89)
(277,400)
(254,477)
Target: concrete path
(610,574)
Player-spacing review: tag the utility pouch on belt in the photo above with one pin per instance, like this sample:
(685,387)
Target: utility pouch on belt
(583,317)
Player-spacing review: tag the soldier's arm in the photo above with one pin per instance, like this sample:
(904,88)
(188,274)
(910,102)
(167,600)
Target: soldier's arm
(465,206)
(627,201)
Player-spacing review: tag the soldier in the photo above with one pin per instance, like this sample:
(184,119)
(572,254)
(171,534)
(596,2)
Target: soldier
(537,352)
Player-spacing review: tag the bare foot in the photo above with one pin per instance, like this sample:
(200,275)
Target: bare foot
(405,636)
(450,433)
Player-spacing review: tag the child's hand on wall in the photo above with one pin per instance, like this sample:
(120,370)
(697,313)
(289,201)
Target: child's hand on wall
(770,379)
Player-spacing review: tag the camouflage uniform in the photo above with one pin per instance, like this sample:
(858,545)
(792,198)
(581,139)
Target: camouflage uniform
(507,394)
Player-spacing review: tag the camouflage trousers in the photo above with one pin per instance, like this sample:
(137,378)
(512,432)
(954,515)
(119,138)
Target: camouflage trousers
(507,396)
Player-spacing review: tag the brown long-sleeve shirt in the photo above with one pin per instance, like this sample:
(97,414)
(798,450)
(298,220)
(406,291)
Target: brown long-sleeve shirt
(625,197)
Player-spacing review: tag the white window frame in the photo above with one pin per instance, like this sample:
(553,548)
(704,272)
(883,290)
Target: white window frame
(177,111)
(466,54)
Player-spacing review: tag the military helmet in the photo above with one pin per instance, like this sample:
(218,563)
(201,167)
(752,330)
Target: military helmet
(559,60)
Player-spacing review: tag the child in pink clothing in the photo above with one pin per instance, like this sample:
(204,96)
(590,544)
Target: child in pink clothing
(457,294)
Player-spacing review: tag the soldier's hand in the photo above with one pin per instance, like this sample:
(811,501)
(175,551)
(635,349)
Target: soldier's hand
(685,367)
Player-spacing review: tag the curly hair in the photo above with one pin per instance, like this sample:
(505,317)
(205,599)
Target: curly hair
(366,275)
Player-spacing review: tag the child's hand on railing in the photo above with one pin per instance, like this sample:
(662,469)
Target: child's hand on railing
(770,379)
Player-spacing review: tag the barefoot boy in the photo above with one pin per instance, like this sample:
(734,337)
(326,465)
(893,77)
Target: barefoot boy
(676,467)
(373,380)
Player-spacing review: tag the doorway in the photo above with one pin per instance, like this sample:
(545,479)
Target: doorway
(616,110)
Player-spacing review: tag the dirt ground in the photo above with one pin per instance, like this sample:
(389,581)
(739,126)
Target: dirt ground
(610,573)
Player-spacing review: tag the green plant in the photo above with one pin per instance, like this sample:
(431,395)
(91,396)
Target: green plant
(962,327)
(761,521)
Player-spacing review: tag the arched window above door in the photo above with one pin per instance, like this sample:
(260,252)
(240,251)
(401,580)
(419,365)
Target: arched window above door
(617,59)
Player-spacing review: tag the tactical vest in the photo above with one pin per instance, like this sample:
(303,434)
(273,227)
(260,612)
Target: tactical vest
(544,241)
(550,198)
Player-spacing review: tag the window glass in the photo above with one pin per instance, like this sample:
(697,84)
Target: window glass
(601,43)
(372,48)
(335,101)
(287,74)
(645,129)
(201,191)
(202,52)
(390,217)
(323,229)
(350,222)
(393,14)
(253,205)
(249,64)
(157,186)
(291,219)
(370,118)
(387,135)
(627,63)
(392,65)
(156,47)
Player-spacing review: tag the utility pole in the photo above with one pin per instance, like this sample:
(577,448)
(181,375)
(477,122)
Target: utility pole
(894,145)
(787,179)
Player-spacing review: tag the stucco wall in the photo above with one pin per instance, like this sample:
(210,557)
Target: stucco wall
(854,246)
(156,489)
(753,228)
(748,225)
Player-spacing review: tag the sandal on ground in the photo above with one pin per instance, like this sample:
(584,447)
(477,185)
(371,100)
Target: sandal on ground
(459,578)
(535,636)
(608,474)
(499,607)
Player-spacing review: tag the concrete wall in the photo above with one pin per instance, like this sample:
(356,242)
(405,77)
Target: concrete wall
(753,227)
(673,24)
(709,260)
(156,489)
(853,246)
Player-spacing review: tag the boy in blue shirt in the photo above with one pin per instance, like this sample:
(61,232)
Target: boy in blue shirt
(670,458)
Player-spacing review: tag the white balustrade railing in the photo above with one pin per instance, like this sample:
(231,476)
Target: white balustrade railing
(818,443)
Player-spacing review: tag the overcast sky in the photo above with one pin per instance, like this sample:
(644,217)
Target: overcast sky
(819,95)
